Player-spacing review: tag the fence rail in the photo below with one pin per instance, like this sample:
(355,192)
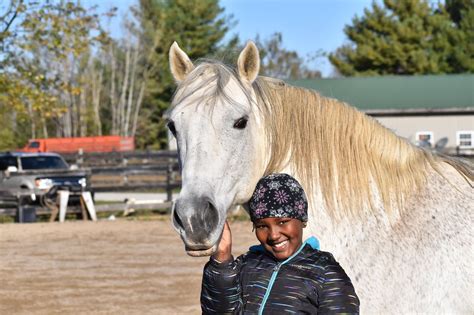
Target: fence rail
(121,158)
(125,171)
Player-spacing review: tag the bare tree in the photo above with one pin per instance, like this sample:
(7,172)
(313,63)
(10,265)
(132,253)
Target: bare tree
(131,90)
(138,106)
(125,86)
(112,96)
(96,89)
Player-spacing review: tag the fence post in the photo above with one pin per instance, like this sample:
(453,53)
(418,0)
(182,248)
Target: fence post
(169,189)
(19,208)
(124,159)
(80,157)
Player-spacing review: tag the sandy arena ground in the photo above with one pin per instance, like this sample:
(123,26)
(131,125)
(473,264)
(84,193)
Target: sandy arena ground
(105,267)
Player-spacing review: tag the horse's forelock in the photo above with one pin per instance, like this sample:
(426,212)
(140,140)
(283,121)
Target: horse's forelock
(211,77)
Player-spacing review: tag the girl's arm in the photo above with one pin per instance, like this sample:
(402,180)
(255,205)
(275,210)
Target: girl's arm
(338,294)
(221,292)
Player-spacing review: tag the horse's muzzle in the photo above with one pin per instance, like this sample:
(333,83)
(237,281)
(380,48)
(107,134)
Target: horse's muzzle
(197,222)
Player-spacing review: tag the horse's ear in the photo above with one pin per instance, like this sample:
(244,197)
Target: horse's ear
(180,64)
(249,62)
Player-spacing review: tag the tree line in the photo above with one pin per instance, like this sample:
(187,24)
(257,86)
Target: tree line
(62,74)
(408,37)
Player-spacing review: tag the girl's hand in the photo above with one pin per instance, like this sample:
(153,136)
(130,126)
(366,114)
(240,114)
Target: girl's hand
(224,249)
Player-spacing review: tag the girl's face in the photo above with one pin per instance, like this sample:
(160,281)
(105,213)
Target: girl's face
(282,237)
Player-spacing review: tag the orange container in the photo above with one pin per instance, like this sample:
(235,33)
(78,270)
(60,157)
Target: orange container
(76,144)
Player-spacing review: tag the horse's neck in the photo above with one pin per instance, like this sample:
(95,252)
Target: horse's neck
(365,171)
(444,196)
(346,231)
(333,233)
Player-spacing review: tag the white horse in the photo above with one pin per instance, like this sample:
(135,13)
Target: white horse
(398,218)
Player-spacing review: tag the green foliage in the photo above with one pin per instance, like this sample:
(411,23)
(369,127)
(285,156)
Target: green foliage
(198,26)
(54,37)
(8,139)
(44,46)
(407,37)
(458,9)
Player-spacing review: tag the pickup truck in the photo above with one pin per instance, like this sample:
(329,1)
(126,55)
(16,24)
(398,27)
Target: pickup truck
(36,178)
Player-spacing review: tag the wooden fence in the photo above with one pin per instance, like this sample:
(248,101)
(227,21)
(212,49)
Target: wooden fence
(130,171)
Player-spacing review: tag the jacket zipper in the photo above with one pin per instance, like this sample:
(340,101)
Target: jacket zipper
(276,269)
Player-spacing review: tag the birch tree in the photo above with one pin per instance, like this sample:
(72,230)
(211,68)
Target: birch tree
(127,76)
(56,45)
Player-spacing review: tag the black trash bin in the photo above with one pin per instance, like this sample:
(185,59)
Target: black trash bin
(25,215)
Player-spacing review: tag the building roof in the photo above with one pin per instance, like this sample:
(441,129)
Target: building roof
(430,93)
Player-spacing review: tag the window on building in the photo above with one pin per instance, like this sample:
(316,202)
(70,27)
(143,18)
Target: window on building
(465,139)
(424,139)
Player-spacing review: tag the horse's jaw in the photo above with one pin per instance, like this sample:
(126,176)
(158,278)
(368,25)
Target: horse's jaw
(201,252)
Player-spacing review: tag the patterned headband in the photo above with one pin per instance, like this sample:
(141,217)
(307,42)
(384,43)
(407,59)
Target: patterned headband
(278,196)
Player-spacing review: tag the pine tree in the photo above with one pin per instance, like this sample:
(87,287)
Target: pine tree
(405,37)
(461,13)
(198,26)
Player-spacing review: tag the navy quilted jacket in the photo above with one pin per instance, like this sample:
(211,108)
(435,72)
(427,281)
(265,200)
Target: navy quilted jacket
(309,282)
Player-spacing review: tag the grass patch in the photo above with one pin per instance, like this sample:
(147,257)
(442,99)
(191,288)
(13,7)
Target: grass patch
(6,219)
(239,215)
(135,215)
(148,215)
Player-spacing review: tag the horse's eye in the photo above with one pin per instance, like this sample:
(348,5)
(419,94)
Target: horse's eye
(241,123)
(172,128)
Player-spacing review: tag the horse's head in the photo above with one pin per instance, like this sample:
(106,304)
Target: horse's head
(217,126)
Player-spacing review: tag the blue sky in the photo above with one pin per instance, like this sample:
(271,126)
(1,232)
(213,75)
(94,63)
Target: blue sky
(307,25)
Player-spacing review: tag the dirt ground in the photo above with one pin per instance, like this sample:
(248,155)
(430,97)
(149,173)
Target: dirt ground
(105,267)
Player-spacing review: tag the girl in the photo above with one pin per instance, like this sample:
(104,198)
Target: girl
(283,275)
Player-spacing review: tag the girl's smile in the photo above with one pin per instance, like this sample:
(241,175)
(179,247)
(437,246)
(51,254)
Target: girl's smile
(280,246)
(282,237)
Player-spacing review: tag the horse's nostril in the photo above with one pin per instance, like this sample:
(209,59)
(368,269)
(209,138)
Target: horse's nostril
(212,216)
(177,220)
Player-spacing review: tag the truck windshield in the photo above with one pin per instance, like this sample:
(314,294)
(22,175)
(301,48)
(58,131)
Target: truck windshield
(42,162)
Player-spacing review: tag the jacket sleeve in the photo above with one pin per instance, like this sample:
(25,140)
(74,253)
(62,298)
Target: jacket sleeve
(221,290)
(338,294)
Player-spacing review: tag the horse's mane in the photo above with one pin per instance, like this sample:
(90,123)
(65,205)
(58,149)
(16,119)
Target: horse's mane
(345,149)
(348,152)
